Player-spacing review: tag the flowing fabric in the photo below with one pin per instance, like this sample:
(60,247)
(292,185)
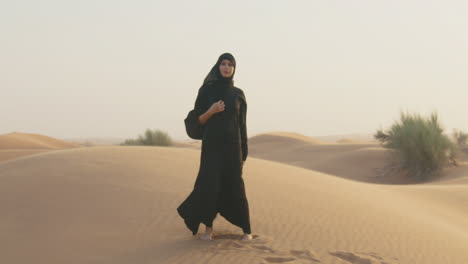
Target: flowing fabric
(219,186)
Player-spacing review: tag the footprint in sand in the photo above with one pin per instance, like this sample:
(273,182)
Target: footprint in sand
(263,248)
(232,241)
(227,242)
(260,244)
(373,254)
(304,254)
(278,259)
(356,259)
(293,255)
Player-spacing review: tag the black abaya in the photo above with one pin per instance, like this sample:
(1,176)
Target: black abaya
(219,186)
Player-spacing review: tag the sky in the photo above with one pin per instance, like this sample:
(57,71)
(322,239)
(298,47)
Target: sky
(115,68)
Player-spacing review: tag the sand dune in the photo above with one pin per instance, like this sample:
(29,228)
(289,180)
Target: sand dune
(9,154)
(194,144)
(454,175)
(350,141)
(32,141)
(15,145)
(360,162)
(348,138)
(337,159)
(283,137)
(118,205)
(96,141)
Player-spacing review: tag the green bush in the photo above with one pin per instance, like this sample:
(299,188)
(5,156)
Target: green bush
(421,147)
(461,139)
(151,138)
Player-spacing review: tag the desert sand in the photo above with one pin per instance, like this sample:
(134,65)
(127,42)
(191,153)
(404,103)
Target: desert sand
(17,144)
(310,202)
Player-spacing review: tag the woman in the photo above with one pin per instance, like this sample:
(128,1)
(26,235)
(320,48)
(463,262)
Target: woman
(220,113)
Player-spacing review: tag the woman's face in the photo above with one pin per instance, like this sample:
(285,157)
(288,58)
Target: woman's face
(226,68)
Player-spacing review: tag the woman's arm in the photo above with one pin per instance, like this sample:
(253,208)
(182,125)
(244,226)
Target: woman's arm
(199,115)
(243,129)
(200,105)
(205,116)
(215,108)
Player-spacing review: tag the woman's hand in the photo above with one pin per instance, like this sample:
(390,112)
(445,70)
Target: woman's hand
(217,107)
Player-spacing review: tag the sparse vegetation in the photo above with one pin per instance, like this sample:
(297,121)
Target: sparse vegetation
(461,139)
(151,138)
(421,149)
(87,143)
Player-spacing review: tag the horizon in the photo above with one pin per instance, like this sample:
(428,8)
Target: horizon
(107,69)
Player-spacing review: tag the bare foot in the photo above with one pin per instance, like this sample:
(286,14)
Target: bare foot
(208,234)
(247,237)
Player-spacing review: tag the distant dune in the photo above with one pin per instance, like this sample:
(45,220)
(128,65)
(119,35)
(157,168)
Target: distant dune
(196,144)
(117,204)
(282,139)
(111,141)
(332,158)
(350,159)
(32,141)
(96,141)
(348,138)
(15,145)
(350,141)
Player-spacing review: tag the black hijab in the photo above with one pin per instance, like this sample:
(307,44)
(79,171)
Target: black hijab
(216,78)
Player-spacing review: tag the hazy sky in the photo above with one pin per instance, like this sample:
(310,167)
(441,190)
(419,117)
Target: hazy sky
(114,68)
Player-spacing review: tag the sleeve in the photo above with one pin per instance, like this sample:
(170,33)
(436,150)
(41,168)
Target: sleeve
(243,129)
(201,101)
(192,124)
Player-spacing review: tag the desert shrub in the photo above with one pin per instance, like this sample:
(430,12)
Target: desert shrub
(461,140)
(87,143)
(421,149)
(151,138)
